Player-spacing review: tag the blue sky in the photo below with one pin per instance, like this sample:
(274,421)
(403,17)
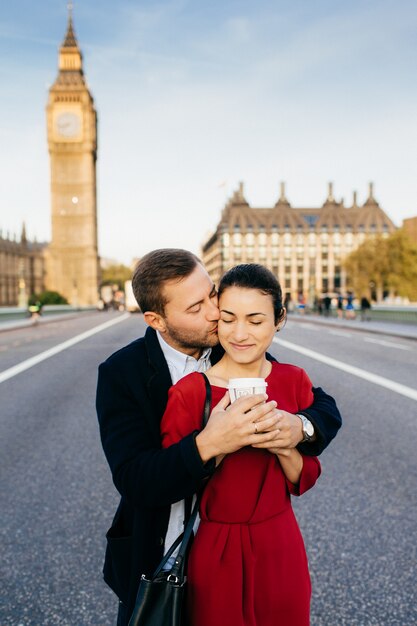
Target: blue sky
(191,95)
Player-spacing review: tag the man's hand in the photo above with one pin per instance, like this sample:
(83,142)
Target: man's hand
(288,433)
(249,420)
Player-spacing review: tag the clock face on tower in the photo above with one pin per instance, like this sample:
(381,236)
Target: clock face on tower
(68,124)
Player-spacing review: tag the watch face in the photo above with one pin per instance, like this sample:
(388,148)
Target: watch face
(68,124)
(309,428)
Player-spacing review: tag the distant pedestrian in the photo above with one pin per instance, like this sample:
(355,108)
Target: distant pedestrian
(301,303)
(350,309)
(327,304)
(365,308)
(340,306)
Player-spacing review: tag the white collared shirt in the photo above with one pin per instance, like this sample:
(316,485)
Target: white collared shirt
(179,365)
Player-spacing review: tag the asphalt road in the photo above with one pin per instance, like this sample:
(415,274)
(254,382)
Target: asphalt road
(57,498)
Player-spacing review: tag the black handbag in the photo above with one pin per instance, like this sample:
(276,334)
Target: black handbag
(160,599)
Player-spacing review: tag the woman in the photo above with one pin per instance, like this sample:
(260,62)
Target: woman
(247,565)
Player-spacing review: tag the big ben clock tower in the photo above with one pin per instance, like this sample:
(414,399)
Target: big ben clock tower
(72,257)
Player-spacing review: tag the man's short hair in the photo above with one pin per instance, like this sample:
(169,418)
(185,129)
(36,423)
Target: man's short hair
(154,270)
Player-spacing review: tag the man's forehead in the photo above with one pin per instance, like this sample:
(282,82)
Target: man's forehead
(188,290)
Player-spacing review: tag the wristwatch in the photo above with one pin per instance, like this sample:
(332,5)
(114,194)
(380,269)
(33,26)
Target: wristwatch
(308,428)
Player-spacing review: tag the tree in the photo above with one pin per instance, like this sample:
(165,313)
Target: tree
(47,297)
(116,274)
(384,265)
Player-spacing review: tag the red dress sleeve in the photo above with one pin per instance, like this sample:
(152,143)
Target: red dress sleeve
(309,474)
(311,465)
(184,410)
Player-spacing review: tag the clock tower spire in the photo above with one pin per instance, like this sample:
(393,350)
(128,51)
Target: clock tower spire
(72,257)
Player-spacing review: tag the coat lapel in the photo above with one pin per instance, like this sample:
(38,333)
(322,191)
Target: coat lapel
(159,380)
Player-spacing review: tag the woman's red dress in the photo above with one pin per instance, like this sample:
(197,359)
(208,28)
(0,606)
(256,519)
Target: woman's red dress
(247,565)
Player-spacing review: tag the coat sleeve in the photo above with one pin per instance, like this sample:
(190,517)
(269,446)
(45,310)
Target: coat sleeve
(143,473)
(326,419)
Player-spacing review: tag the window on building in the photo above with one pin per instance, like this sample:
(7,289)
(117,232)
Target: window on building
(310,220)
(226,239)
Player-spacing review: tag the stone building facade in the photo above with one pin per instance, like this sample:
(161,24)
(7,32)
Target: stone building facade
(304,247)
(22,269)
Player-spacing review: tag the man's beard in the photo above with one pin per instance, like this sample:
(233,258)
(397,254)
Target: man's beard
(191,340)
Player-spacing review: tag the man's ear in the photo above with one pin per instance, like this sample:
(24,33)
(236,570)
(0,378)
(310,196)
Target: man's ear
(155,321)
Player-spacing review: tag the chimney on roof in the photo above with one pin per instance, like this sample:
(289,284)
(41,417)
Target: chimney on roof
(330,196)
(282,197)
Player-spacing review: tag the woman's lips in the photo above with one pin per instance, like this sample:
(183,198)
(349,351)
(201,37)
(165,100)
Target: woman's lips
(239,346)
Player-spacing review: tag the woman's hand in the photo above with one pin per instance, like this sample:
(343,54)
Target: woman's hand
(288,433)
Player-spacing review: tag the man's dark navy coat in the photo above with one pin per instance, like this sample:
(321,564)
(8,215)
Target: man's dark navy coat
(132,394)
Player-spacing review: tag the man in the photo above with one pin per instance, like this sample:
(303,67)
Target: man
(179,304)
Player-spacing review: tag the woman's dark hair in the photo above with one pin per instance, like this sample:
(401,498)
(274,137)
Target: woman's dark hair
(154,270)
(255,276)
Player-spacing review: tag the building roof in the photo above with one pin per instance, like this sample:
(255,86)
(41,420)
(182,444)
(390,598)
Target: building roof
(369,216)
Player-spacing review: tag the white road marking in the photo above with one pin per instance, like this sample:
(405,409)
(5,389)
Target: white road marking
(390,344)
(350,369)
(34,360)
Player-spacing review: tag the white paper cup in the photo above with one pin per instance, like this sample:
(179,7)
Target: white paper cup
(239,387)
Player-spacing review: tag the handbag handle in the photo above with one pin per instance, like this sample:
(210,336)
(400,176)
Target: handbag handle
(177,572)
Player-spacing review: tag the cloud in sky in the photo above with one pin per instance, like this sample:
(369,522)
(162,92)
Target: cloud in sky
(191,94)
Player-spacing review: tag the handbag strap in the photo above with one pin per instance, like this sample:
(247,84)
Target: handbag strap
(206,414)
(177,572)
(207,402)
